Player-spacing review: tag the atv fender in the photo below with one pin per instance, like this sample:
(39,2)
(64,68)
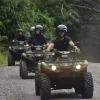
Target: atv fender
(23,56)
(39,67)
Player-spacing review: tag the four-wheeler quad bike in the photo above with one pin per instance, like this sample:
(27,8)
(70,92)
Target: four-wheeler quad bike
(64,72)
(16,48)
(29,60)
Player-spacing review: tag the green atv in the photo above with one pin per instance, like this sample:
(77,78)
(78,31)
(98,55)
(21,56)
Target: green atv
(29,61)
(16,48)
(63,70)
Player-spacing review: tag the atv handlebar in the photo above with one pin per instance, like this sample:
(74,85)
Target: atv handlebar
(37,46)
(64,52)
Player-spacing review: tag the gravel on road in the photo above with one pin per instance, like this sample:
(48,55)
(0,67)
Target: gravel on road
(12,87)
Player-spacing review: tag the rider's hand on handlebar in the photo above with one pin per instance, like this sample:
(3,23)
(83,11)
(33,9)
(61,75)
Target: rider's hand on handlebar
(77,50)
(47,44)
(27,45)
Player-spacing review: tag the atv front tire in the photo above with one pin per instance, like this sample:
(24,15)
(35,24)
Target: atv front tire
(11,61)
(88,86)
(23,70)
(37,83)
(45,90)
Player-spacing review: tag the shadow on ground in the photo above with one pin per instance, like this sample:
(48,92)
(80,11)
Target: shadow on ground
(62,95)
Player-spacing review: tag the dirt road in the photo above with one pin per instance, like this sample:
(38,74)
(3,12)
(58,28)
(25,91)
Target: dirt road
(12,87)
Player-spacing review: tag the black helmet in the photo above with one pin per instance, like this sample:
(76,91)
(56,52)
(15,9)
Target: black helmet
(39,27)
(32,29)
(61,28)
(20,30)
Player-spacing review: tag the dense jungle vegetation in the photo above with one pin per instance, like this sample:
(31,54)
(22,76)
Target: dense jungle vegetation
(82,18)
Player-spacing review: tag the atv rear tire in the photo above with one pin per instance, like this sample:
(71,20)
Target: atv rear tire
(20,73)
(11,61)
(78,90)
(37,83)
(88,86)
(23,70)
(45,90)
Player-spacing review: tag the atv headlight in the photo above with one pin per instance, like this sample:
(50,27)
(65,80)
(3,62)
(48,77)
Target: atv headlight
(53,67)
(78,66)
(9,47)
(21,43)
(23,54)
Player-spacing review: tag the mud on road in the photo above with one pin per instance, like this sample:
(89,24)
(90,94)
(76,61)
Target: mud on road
(12,87)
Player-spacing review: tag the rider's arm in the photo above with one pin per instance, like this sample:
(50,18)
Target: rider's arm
(73,45)
(51,45)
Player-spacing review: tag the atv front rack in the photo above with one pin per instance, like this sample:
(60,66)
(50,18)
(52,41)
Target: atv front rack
(76,61)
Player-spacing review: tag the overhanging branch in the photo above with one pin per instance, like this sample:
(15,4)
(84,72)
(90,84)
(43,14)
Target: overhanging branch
(62,10)
(87,8)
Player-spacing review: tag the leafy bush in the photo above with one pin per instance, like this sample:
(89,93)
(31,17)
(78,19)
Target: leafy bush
(4,39)
(3,50)
(3,59)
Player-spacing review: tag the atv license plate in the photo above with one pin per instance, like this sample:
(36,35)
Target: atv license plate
(38,48)
(21,43)
(65,64)
(38,55)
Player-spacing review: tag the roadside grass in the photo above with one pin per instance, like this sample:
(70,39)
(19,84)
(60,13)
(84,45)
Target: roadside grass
(3,59)
(3,54)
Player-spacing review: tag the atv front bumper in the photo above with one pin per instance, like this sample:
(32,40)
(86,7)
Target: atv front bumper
(65,73)
(65,78)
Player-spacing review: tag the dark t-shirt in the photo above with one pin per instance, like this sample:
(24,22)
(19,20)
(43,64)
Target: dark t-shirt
(21,38)
(37,40)
(61,45)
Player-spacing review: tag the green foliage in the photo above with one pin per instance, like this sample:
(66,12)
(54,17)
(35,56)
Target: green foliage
(23,14)
(3,54)
(82,18)
(4,39)
(3,59)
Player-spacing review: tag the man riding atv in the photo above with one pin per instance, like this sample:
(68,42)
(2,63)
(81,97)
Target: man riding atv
(30,58)
(62,42)
(36,38)
(20,36)
(67,71)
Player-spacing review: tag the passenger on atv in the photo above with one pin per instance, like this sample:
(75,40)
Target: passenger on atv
(32,31)
(62,42)
(37,38)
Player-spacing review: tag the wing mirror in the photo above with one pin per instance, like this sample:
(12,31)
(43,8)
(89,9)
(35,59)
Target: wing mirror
(77,43)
